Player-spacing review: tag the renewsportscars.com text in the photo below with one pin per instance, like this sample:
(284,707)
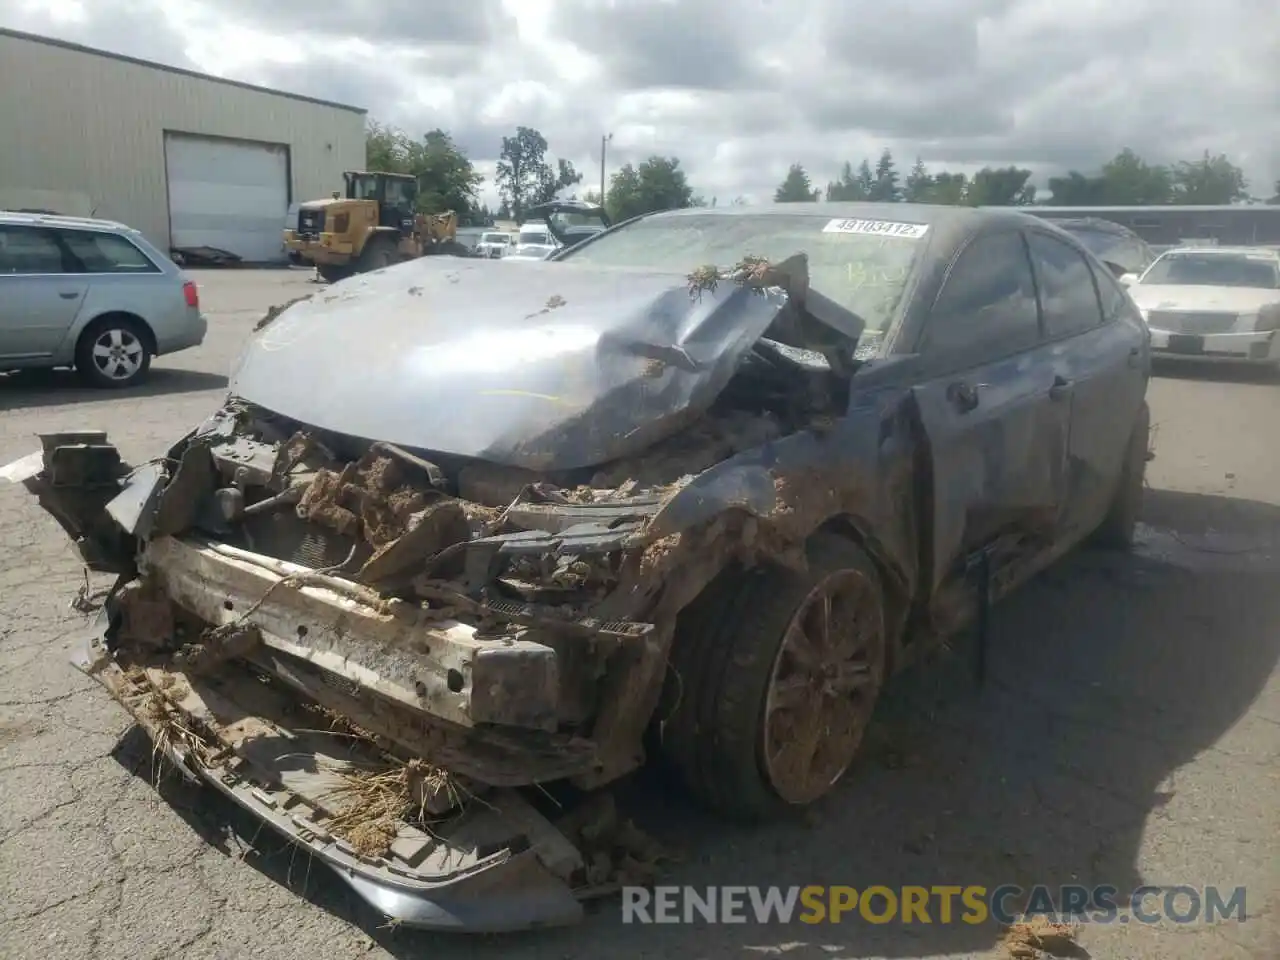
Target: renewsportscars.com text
(941,904)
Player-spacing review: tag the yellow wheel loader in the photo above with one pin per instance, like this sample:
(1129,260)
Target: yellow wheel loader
(373,226)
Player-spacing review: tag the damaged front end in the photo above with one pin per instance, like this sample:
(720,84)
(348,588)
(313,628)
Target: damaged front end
(377,648)
(370,664)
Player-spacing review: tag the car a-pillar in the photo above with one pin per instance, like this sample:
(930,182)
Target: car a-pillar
(774,676)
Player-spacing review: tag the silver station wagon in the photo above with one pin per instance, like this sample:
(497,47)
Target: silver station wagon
(91,294)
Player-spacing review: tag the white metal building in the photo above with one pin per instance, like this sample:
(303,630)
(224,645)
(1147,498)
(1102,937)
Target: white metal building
(190,160)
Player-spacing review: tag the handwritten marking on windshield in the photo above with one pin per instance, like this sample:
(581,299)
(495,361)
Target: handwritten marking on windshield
(861,276)
(878,228)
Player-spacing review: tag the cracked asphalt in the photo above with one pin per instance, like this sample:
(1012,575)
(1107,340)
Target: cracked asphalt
(1129,734)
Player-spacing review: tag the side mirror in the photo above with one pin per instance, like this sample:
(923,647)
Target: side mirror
(1128,279)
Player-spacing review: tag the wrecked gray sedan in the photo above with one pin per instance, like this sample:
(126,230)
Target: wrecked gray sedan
(464,529)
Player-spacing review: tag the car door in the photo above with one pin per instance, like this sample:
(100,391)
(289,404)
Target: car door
(39,296)
(1097,346)
(996,418)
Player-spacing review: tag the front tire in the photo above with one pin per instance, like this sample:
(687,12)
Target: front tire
(114,353)
(775,675)
(379,252)
(333,272)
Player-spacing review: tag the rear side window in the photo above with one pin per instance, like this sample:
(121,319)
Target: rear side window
(29,250)
(105,253)
(1068,296)
(987,305)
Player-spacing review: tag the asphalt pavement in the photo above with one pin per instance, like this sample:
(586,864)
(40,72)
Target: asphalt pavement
(1129,734)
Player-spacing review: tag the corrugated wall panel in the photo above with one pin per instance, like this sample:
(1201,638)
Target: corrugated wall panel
(85,133)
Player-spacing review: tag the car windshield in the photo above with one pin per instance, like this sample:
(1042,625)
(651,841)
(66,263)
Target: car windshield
(862,265)
(1214,270)
(541,237)
(493,238)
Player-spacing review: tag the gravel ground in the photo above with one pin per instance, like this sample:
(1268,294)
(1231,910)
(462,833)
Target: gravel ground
(1130,733)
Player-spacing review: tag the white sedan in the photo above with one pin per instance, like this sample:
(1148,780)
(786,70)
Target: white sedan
(1213,303)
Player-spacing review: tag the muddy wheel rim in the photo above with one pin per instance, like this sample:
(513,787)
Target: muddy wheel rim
(117,354)
(823,687)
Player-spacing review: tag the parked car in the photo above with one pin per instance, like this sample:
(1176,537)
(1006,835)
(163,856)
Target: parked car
(92,294)
(1126,253)
(494,243)
(535,241)
(699,476)
(1213,303)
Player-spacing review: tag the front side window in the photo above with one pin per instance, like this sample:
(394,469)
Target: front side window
(987,305)
(364,188)
(1067,294)
(94,252)
(29,250)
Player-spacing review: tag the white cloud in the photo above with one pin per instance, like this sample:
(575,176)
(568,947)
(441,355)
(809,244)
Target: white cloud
(740,89)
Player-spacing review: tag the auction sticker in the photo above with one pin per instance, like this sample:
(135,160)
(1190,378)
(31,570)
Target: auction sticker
(878,228)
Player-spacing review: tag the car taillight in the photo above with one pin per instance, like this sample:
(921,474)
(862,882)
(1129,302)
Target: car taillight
(191,294)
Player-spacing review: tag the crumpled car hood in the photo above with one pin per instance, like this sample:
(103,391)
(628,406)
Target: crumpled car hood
(1187,297)
(542,365)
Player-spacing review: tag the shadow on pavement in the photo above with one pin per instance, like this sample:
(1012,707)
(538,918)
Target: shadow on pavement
(1107,674)
(28,389)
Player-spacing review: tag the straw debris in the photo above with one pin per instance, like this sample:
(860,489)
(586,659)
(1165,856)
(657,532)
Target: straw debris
(373,803)
(172,732)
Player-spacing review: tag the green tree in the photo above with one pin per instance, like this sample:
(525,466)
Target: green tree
(1131,181)
(447,180)
(552,183)
(949,188)
(918,187)
(795,187)
(1213,179)
(504,211)
(884,187)
(1276,198)
(524,176)
(1074,189)
(1128,180)
(657,183)
(386,149)
(852,186)
(1000,187)
(845,187)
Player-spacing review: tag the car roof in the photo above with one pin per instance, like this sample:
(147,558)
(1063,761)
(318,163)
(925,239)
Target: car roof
(50,220)
(1092,223)
(1270,253)
(929,213)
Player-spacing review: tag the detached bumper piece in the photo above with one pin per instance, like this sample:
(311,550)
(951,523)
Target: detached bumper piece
(491,865)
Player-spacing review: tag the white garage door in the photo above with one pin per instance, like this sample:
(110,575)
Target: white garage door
(227,194)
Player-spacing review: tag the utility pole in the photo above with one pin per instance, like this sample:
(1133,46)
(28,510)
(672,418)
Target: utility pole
(604,144)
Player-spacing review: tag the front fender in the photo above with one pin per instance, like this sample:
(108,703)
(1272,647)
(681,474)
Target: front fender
(858,471)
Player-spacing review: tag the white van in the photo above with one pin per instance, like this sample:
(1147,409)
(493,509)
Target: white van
(534,242)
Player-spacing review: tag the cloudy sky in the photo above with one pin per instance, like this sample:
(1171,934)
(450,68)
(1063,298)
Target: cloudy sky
(740,89)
